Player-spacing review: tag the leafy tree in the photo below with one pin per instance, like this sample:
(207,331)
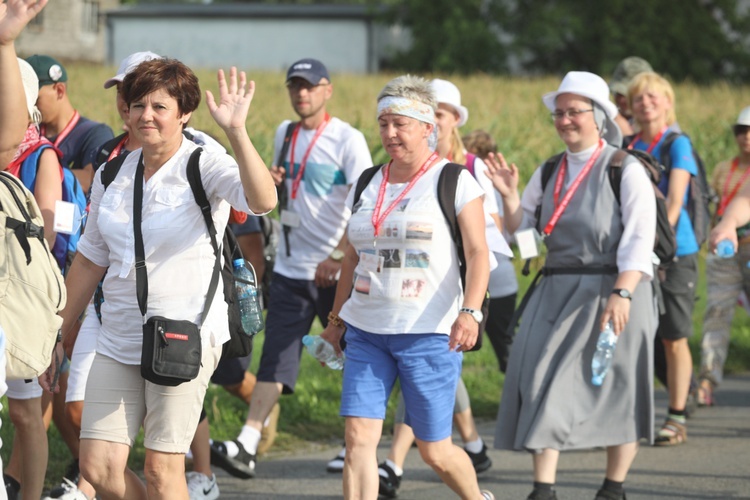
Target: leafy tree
(449,36)
(699,40)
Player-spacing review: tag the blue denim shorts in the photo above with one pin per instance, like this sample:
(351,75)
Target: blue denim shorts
(427,369)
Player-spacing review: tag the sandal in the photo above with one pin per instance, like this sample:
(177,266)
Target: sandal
(671,433)
(704,395)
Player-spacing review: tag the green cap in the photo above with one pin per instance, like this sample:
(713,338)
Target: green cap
(624,73)
(47,69)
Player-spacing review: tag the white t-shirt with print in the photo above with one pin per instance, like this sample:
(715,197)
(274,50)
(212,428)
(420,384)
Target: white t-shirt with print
(337,159)
(417,288)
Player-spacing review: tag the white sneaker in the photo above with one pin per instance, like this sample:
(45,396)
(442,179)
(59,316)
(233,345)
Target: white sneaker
(202,487)
(68,490)
(337,463)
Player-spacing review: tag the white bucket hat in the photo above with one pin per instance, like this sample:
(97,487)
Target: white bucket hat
(447,93)
(31,89)
(744,117)
(592,87)
(129,64)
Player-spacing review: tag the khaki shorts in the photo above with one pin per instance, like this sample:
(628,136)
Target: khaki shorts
(118,400)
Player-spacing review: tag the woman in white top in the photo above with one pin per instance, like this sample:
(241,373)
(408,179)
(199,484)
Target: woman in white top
(400,296)
(597,271)
(161,95)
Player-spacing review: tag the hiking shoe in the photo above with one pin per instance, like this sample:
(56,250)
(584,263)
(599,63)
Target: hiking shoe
(241,466)
(337,464)
(202,487)
(69,483)
(68,490)
(480,461)
(12,487)
(268,432)
(538,494)
(389,481)
(603,494)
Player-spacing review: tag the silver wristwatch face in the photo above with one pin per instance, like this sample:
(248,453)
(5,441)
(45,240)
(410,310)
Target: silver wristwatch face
(623,293)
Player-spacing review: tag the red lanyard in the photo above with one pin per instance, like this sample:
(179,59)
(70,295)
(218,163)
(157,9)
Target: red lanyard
(64,133)
(303,163)
(562,205)
(654,142)
(116,150)
(377,219)
(726,198)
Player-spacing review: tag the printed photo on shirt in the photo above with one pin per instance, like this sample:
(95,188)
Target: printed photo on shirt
(358,206)
(417,258)
(391,257)
(390,230)
(412,288)
(362,284)
(418,230)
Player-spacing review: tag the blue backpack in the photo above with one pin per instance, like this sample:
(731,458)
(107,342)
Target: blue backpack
(65,244)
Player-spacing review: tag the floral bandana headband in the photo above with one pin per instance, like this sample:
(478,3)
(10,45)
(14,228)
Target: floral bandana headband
(392,105)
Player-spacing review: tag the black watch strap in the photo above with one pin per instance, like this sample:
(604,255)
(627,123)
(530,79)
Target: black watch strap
(625,294)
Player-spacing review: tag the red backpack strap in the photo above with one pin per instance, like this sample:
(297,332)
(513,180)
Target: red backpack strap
(470,161)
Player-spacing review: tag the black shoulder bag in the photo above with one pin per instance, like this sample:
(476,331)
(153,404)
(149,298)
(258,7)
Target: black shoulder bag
(171,352)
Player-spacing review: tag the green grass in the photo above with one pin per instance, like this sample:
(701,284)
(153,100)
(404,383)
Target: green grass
(511,110)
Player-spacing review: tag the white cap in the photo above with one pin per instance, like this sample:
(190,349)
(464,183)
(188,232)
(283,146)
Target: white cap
(592,87)
(744,118)
(129,64)
(31,89)
(447,93)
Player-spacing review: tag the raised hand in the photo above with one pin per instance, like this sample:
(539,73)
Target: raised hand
(234,100)
(504,178)
(15,15)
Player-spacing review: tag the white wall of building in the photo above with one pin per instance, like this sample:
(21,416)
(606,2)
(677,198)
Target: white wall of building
(268,44)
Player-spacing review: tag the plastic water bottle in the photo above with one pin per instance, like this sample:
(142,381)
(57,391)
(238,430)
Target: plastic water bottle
(323,351)
(605,350)
(725,249)
(248,300)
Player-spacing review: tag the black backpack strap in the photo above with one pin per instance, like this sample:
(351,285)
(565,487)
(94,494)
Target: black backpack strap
(281,192)
(664,157)
(111,169)
(199,193)
(103,155)
(616,165)
(364,179)
(548,168)
(446,191)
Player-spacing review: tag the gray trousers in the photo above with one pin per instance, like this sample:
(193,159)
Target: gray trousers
(726,280)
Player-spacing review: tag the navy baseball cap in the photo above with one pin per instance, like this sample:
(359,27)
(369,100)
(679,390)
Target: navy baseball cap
(311,70)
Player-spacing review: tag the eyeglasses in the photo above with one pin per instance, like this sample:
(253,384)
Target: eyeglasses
(568,113)
(297,85)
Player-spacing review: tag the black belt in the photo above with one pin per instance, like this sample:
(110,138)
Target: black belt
(551,271)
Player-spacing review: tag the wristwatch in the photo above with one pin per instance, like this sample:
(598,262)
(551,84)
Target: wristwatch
(337,255)
(477,315)
(625,294)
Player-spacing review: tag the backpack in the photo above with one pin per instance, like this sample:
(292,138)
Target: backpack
(665,245)
(700,194)
(271,229)
(65,244)
(446,194)
(32,290)
(239,344)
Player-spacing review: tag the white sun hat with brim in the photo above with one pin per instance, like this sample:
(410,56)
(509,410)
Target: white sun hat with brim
(129,64)
(744,117)
(447,93)
(592,87)
(30,89)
